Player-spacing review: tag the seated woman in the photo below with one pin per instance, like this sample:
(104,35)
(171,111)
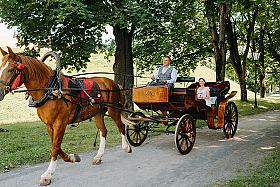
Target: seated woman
(203,92)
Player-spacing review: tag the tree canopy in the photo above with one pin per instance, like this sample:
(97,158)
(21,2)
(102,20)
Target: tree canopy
(181,34)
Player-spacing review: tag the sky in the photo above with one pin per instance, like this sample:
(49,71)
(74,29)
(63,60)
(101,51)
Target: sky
(10,32)
(6,32)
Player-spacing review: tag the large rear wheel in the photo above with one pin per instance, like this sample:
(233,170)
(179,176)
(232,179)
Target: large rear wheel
(137,134)
(231,119)
(185,134)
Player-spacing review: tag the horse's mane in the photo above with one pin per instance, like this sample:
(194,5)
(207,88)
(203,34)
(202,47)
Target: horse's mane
(36,68)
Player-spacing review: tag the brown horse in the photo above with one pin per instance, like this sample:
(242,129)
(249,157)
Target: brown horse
(56,113)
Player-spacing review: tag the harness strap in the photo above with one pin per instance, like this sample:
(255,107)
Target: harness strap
(47,94)
(78,110)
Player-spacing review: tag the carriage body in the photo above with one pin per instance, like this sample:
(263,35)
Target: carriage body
(171,107)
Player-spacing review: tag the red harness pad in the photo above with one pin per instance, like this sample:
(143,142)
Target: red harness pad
(79,84)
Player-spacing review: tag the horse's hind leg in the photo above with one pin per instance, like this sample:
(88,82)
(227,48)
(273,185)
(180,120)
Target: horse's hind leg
(116,116)
(99,121)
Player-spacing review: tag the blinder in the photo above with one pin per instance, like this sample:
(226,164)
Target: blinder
(18,71)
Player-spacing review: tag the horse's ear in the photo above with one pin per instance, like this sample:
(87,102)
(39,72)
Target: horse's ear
(3,52)
(11,53)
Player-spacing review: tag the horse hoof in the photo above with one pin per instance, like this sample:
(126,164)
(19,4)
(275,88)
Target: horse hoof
(96,162)
(77,158)
(44,182)
(129,150)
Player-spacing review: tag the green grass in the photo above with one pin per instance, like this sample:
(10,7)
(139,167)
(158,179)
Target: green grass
(247,108)
(266,174)
(29,142)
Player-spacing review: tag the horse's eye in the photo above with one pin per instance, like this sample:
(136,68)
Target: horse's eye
(10,70)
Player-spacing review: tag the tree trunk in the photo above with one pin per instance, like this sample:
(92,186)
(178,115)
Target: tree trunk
(272,48)
(262,85)
(218,41)
(239,68)
(262,65)
(222,43)
(123,66)
(238,65)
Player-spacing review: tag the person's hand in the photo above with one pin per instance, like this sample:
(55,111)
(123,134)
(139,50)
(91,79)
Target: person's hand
(153,78)
(164,81)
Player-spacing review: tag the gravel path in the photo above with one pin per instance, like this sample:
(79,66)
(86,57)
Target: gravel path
(214,159)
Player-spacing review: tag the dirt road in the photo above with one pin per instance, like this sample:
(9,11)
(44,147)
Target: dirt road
(157,162)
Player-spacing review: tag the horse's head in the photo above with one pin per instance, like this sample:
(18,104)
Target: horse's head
(9,71)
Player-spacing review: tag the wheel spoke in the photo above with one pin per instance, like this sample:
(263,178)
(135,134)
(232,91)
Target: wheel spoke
(133,132)
(189,141)
(179,139)
(181,143)
(134,135)
(139,135)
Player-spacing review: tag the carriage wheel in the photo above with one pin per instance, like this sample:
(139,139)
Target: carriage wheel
(137,134)
(185,134)
(231,119)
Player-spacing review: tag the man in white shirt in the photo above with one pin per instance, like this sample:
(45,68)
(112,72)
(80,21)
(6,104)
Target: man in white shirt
(165,75)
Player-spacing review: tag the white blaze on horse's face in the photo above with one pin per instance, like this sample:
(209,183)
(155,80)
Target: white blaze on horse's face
(3,91)
(3,68)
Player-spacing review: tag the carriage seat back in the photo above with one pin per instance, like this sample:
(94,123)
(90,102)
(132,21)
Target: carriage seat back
(183,79)
(217,90)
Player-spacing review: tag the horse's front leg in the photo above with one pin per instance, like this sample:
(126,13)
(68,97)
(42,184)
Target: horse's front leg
(56,133)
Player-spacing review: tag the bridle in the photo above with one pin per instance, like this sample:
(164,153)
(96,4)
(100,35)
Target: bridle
(17,74)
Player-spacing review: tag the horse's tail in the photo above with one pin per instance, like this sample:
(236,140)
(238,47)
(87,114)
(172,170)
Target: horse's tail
(124,104)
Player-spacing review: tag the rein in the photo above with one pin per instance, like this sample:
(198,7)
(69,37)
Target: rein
(68,89)
(109,74)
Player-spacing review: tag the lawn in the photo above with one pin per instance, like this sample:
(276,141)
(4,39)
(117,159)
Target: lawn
(29,142)
(266,174)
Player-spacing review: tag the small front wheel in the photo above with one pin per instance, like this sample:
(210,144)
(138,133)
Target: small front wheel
(137,134)
(185,134)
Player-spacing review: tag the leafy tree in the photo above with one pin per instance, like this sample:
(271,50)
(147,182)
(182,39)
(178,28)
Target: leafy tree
(216,13)
(126,17)
(268,42)
(74,27)
(179,32)
(240,26)
(248,27)
(65,26)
